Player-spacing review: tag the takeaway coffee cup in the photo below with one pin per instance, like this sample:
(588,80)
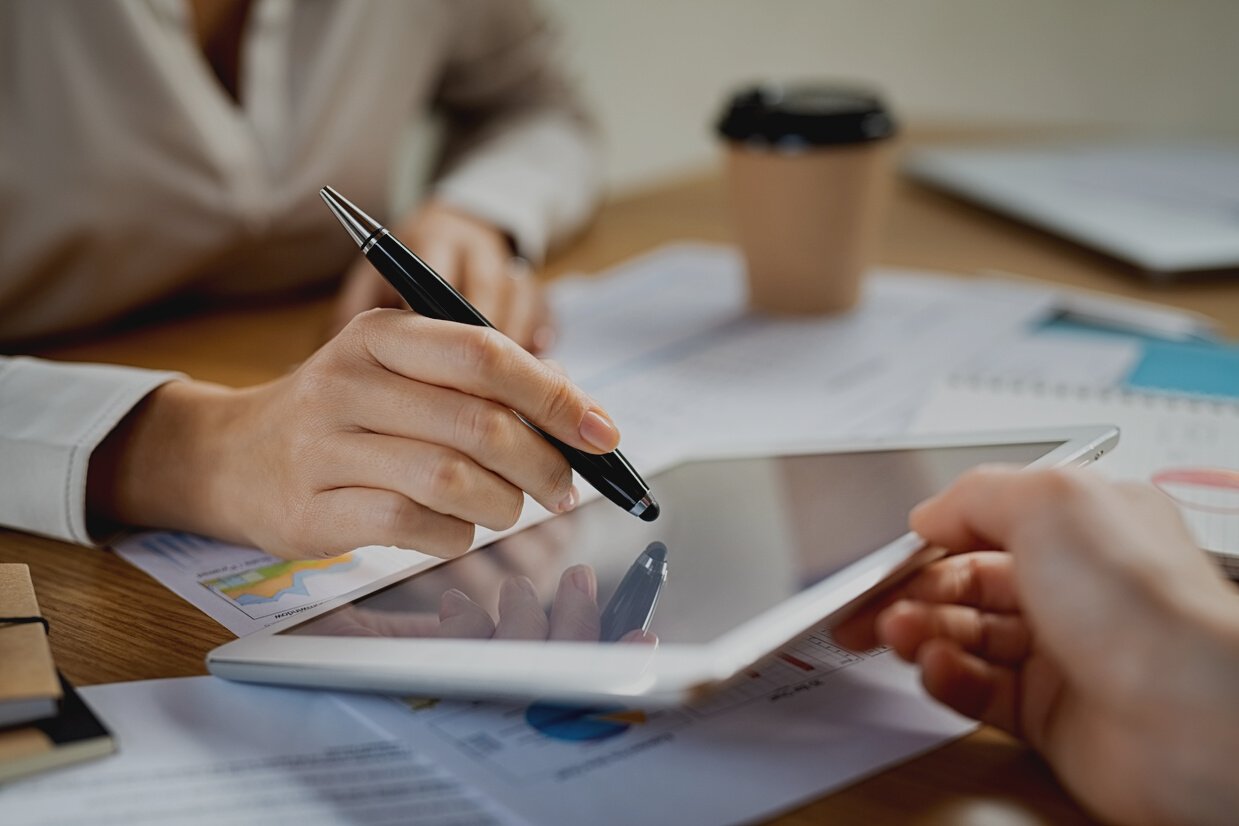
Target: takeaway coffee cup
(807,167)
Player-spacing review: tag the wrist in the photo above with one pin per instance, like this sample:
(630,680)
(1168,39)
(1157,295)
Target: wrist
(158,467)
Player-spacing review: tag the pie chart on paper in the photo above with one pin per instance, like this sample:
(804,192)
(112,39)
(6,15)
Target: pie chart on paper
(582,724)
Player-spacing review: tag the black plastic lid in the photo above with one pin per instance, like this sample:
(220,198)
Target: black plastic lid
(805,115)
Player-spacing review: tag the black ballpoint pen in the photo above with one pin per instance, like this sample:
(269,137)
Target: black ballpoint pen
(428,294)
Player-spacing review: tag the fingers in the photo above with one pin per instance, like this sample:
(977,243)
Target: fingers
(958,518)
(486,432)
(484,279)
(475,257)
(521,616)
(503,289)
(435,476)
(442,254)
(857,632)
(462,618)
(987,506)
(334,521)
(977,689)
(362,289)
(486,364)
(351,621)
(575,614)
(527,310)
(983,580)
(908,626)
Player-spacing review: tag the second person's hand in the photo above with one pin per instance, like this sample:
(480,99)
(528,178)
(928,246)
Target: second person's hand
(1078,615)
(471,255)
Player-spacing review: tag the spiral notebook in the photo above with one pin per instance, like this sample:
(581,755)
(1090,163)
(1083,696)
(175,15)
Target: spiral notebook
(1186,446)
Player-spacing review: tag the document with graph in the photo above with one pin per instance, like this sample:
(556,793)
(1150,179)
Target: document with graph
(1186,446)
(244,589)
(804,722)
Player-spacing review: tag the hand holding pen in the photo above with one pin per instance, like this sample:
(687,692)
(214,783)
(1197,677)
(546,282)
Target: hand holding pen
(399,431)
(429,295)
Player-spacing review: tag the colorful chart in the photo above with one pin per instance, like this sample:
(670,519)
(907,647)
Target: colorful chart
(271,582)
(577,724)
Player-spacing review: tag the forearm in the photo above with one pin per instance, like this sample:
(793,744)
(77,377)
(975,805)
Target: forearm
(520,150)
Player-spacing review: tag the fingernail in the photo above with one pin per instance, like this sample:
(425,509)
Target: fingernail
(569,502)
(452,603)
(597,429)
(544,338)
(582,577)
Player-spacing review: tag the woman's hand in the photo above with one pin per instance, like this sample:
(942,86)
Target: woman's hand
(476,259)
(1094,629)
(399,431)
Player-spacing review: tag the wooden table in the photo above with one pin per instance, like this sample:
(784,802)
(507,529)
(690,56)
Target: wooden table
(111,622)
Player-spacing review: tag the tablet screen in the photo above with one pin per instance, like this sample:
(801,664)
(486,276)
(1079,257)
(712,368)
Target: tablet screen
(736,538)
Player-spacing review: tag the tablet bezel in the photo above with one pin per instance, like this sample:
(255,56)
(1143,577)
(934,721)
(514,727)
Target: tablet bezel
(588,672)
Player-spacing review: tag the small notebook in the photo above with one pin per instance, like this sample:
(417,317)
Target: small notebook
(73,735)
(1187,446)
(29,689)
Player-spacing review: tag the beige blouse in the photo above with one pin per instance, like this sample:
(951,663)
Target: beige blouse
(129,176)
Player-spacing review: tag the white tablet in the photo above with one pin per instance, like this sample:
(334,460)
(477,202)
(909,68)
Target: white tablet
(595,605)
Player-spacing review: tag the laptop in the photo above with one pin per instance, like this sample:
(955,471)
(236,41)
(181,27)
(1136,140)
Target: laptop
(1167,209)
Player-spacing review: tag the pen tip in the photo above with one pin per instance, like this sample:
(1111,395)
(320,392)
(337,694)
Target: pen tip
(651,510)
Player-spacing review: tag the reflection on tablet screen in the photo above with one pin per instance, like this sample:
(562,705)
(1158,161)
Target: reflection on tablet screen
(736,538)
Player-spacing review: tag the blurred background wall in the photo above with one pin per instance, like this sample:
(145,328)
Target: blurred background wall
(657,71)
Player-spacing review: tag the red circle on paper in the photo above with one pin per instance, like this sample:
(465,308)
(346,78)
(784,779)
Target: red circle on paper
(1205,478)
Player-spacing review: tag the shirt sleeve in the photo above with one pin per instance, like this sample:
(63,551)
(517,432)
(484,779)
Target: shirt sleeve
(52,417)
(519,149)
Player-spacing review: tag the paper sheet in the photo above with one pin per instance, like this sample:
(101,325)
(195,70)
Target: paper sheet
(1054,357)
(666,345)
(205,751)
(802,724)
(244,589)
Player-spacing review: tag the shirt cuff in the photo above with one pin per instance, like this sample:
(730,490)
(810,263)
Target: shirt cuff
(537,181)
(52,417)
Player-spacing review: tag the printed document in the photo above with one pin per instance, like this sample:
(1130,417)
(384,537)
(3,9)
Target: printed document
(205,751)
(805,722)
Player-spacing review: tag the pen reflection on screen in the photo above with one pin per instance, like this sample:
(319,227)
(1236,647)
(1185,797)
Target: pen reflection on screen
(631,607)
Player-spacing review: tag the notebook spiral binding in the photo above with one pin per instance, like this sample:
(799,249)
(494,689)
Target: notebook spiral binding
(1168,400)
